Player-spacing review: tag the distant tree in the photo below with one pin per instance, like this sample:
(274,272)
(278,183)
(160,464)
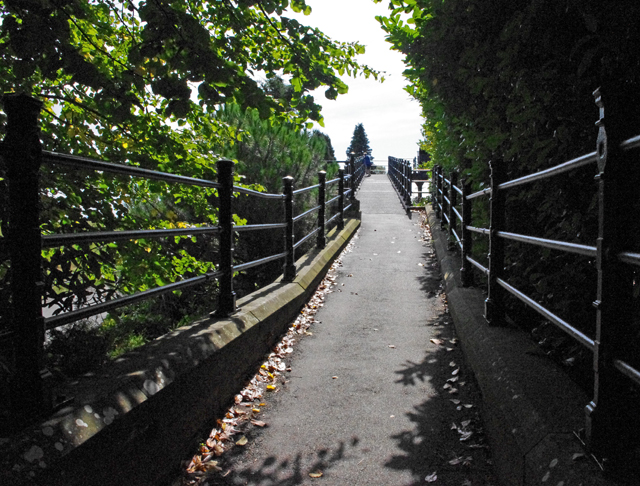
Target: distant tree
(359,141)
(329,154)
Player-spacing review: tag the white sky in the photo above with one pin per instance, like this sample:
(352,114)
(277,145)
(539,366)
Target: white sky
(391,118)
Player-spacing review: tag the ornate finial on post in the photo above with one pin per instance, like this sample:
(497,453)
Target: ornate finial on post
(601,142)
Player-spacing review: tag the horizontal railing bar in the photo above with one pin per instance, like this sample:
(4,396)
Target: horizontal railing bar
(483,192)
(559,322)
(458,215)
(346,192)
(255,263)
(457,189)
(331,201)
(93,310)
(627,370)
(302,215)
(263,195)
(628,257)
(552,244)
(305,189)
(258,227)
(630,143)
(51,241)
(483,231)
(86,163)
(483,269)
(306,238)
(347,207)
(558,169)
(332,218)
(332,181)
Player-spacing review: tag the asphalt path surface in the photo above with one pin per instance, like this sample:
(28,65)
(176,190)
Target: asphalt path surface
(367,401)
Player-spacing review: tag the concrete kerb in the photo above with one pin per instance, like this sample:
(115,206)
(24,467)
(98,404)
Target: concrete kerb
(138,417)
(530,406)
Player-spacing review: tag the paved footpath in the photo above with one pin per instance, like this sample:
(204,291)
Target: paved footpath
(364,403)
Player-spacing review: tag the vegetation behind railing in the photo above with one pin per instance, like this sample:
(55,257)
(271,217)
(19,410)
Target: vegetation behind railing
(610,416)
(26,249)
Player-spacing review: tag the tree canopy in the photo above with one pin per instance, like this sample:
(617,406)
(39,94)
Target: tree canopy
(359,142)
(143,83)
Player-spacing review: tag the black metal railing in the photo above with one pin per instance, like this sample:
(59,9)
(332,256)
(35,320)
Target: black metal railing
(24,242)
(605,414)
(403,176)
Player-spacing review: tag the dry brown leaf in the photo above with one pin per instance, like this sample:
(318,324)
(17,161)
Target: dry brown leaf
(315,474)
(259,423)
(391,346)
(437,342)
(242,441)
(431,478)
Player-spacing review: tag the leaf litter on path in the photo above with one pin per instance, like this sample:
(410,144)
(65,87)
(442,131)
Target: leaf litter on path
(267,378)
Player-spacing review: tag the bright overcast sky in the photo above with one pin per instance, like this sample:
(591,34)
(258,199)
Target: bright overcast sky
(391,118)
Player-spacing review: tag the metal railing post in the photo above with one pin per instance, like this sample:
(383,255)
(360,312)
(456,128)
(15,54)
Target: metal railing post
(494,305)
(408,191)
(321,241)
(609,415)
(434,190)
(466,274)
(443,200)
(30,393)
(341,199)
(227,297)
(352,180)
(289,260)
(453,200)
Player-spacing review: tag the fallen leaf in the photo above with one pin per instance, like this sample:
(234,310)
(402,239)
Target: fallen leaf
(334,377)
(431,478)
(316,474)
(258,423)
(437,342)
(452,364)
(256,410)
(468,405)
(391,346)
(242,441)
(465,423)
(578,455)
(449,350)
(453,380)
(456,461)
(455,372)
(271,387)
(455,401)
(465,435)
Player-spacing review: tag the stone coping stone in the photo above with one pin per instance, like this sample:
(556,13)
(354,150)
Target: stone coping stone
(531,407)
(133,421)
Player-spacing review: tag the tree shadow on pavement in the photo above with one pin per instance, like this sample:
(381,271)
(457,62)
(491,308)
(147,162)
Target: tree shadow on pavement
(446,443)
(239,468)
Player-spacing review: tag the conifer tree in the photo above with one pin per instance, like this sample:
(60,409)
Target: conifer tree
(359,141)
